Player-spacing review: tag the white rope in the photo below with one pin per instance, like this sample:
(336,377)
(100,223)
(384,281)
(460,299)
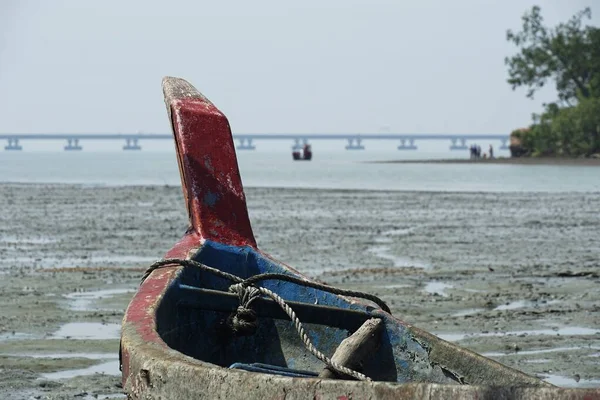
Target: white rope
(330,363)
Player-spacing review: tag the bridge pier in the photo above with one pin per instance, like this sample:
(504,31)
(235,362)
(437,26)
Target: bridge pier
(13,144)
(246,144)
(404,146)
(357,146)
(461,146)
(131,144)
(73,144)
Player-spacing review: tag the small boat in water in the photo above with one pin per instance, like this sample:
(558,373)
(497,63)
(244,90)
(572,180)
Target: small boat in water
(219,318)
(306,153)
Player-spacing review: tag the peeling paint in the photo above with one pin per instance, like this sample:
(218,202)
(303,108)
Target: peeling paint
(210,199)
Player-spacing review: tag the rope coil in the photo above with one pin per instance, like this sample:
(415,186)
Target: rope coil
(244,321)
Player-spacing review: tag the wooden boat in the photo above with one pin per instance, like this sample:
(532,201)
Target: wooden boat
(186,335)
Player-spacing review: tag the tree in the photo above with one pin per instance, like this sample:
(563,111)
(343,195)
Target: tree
(569,54)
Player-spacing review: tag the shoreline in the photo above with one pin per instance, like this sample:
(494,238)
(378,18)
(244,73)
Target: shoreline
(557,161)
(149,186)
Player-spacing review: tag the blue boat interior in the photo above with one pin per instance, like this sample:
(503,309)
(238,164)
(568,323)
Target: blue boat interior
(192,319)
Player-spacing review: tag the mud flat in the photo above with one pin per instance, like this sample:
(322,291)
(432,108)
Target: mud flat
(512,276)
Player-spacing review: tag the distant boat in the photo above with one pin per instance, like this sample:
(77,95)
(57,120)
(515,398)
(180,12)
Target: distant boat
(306,153)
(219,318)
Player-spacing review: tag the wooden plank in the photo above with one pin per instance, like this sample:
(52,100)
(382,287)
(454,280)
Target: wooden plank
(216,300)
(357,348)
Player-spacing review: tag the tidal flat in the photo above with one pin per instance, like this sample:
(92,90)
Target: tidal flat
(514,276)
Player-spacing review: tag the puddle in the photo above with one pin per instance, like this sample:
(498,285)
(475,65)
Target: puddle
(15,335)
(400,262)
(90,356)
(46,262)
(437,287)
(122,259)
(396,286)
(107,368)
(538,361)
(511,306)
(88,330)
(468,311)
(524,303)
(82,301)
(27,240)
(398,232)
(384,251)
(475,290)
(383,240)
(66,262)
(541,351)
(572,330)
(565,381)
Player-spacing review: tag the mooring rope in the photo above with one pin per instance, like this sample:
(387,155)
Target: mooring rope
(267,276)
(305,339)
(244,320)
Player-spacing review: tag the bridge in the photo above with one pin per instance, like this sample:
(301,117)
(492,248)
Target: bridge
(354,141)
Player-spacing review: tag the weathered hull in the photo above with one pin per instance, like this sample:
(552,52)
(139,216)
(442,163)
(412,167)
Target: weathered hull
(154,370)
(164,374)
(169,345)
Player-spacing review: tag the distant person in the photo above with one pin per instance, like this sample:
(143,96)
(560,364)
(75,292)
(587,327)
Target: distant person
(478,151)
(491,151)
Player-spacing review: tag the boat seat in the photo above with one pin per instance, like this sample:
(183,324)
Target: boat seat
(217,300)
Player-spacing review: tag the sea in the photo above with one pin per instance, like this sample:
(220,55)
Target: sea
(271,165)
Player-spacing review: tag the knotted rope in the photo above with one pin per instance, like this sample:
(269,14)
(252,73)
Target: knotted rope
(244,320)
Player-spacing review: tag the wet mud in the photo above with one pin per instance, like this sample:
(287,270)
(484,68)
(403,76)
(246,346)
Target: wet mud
(514,276)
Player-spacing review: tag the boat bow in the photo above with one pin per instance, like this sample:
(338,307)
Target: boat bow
(210,178)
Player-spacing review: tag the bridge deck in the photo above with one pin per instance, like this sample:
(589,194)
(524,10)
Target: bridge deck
(245,140)
(261,136)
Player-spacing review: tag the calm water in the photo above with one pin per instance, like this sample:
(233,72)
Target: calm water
(274,168)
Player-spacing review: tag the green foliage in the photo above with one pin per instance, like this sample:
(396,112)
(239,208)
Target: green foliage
(569,55)
(569,131)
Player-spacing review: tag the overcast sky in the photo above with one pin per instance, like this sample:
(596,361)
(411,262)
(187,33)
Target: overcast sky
(404,66)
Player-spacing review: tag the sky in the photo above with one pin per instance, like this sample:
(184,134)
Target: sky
(272,66)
